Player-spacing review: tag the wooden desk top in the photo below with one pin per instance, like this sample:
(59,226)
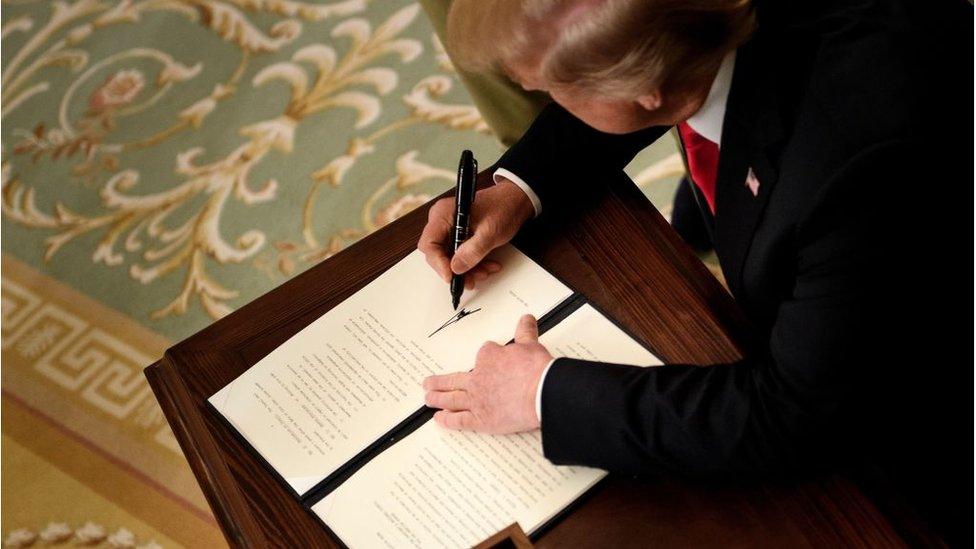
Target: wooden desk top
(625,258)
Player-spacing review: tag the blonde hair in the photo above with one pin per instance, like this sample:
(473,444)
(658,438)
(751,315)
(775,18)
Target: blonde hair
(620,48)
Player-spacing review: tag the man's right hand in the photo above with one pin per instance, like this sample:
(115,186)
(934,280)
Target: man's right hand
(497,214)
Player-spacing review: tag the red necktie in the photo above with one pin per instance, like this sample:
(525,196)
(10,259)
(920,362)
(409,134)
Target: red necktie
(702,156)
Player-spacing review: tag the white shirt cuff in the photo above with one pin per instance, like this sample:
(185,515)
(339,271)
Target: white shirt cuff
(520,183)
(538,392)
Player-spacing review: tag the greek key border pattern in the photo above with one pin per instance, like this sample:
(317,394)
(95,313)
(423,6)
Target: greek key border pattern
(65,349)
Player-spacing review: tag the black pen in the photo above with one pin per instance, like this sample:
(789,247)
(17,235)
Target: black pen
(463,198)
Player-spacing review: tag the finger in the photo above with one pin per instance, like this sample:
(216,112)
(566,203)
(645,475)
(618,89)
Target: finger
(472,251)
(448,400)
(491,266)
(485,269)
(527,330)
(433,241)
(438,228)
(458,421)
(438,261)
(447,382)
(486,351)
(437,258)
(473,277)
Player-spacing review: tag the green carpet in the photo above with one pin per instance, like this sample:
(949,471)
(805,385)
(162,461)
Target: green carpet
(165,162)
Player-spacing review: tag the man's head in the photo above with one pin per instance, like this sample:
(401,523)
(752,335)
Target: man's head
(618,65)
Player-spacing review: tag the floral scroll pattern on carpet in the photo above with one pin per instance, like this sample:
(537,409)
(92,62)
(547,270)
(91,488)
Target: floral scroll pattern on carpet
(173,225)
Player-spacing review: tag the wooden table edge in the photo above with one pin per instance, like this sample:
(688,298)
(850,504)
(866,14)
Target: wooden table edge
(225,500)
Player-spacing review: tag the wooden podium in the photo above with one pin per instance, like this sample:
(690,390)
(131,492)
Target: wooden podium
(626,259)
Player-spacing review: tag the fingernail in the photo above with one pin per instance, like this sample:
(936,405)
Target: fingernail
(459,265)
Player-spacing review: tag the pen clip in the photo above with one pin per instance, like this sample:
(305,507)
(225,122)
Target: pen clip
(474,175)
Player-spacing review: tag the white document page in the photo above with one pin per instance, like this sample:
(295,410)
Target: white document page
(352,375)
(440,488)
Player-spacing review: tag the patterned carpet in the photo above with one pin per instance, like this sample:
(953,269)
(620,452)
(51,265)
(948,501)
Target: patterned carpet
(164,162)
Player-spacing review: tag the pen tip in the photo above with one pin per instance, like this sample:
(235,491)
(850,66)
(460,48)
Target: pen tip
(455,302)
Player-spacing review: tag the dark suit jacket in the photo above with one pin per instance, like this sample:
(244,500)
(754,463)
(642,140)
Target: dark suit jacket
(855,118)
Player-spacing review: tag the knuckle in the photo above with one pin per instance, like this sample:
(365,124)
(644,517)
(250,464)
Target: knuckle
(441,206)
(489,225)
(483,244)
(425,244)
(484,347)
(463,253)
(474,385)
(486,351)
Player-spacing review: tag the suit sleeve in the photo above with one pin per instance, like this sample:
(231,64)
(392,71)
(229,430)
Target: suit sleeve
(760,414)
(558,152)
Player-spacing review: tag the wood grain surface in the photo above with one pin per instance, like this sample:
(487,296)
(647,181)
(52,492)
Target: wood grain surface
(619,252)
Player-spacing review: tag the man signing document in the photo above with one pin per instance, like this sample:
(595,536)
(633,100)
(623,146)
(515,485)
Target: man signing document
(828,148)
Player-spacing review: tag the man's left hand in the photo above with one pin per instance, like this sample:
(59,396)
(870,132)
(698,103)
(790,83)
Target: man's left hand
(498,395)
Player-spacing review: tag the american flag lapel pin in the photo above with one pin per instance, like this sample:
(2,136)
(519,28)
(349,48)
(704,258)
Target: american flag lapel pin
(752,183)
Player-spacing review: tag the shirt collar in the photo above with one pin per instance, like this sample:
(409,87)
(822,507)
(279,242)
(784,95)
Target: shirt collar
(707,120)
